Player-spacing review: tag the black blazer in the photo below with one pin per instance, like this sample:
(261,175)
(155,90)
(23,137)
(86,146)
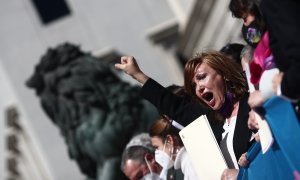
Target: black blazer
(242,134)
(175,174)
(184,110)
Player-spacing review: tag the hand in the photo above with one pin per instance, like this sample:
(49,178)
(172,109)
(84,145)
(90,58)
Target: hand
(252,122)
(255,99)
(243,162)
(129,66)
(277,81)
(229,174)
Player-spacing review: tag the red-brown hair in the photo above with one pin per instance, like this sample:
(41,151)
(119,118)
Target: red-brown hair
(163,127)
(223,65)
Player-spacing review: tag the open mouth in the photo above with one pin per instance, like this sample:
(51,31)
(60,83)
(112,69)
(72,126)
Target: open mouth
(209,99)
(208,96)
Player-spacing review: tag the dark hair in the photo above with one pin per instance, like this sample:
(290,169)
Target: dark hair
(233,50)
(136,153)
(239,8)
(163,127)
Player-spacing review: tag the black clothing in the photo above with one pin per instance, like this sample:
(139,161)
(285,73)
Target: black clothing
(242,134)
(185,110)
(175,174)
(282,18)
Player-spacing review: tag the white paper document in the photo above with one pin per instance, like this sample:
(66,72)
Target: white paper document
(203,149)
(265,134)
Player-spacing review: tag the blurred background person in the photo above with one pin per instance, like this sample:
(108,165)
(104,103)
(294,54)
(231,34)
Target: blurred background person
(138,160)
(138,163)
(170,151)
(285,44)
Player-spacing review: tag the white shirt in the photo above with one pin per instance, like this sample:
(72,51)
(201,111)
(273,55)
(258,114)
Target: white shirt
(184,162)
(229,128)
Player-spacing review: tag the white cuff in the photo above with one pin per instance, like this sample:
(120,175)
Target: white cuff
(265,84)
(279,90)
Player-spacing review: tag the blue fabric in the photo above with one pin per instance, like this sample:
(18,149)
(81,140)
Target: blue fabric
(282,160)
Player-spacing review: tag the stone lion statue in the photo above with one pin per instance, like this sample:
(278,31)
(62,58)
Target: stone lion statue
(97,113)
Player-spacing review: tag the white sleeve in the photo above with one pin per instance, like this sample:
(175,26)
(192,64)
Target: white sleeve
(265,84)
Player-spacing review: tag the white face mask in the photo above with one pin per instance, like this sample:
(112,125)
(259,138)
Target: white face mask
(151,175)
(163,159)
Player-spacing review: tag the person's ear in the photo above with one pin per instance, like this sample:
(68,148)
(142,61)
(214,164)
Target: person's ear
(170,140)
(150,158)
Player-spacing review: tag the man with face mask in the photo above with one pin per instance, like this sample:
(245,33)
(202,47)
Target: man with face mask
(138,159)
(138,163)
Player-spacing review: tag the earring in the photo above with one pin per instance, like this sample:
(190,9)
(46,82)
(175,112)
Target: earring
(229,83)
(227,80)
